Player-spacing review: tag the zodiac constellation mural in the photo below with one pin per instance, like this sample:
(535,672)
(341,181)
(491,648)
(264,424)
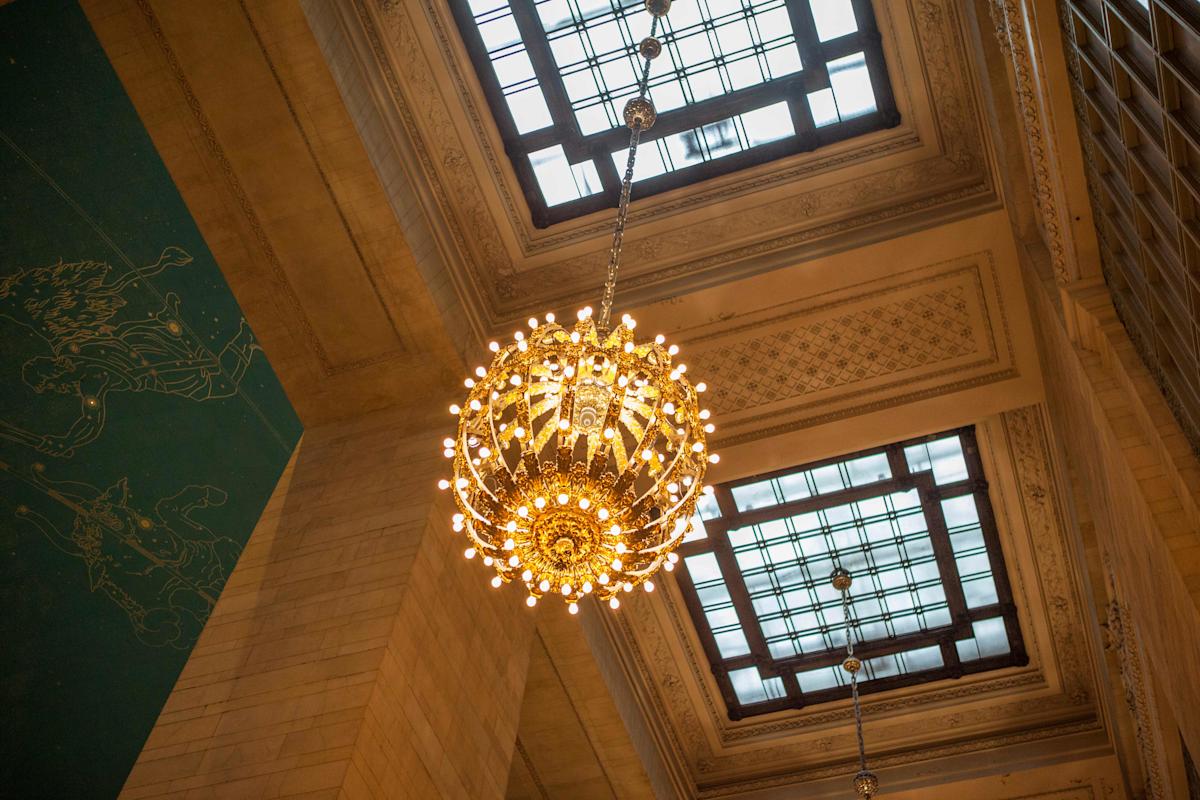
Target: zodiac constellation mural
(163,569)
(97,346)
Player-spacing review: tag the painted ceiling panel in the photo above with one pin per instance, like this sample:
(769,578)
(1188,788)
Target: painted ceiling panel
(142,428)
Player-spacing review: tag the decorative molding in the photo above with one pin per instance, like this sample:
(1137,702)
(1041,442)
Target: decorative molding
(427,95)
(1120,637)
(1055,693)
(882,344)
(884,762)
(1029,450)
(1014,43)
(853,346)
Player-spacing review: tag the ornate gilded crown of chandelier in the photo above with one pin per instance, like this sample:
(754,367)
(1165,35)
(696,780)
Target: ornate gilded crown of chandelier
(580,453)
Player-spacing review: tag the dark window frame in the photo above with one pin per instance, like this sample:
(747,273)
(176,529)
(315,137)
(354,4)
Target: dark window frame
(716,541)
(599,146)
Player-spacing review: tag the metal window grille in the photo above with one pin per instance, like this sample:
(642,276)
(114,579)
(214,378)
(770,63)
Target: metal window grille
(911,521)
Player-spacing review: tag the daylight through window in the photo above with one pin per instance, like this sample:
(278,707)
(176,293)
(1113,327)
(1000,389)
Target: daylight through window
(738,83)
(913,525)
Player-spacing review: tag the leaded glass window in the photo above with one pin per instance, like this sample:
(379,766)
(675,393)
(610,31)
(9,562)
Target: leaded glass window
(739,82)
(913,525)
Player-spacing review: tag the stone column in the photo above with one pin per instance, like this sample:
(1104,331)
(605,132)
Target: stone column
(354,652)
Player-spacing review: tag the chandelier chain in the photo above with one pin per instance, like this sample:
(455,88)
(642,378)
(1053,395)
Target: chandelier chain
(858,726)
(614,257)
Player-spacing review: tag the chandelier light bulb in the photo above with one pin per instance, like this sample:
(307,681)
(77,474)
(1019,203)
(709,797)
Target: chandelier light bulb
(496,581)
(488,561)
(549,317)
(614,603)
(648,586)
(573,608)
(469,553)
(494,347)
(443,484)
(544,585)
(531,601)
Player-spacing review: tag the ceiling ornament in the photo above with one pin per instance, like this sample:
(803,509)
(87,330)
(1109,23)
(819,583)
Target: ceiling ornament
(866,784)
(580,454)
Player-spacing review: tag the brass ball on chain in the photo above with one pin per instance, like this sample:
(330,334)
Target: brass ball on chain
(658,8)
(639,113)
(852,665)
(841,579)
(650,48)
(866,784)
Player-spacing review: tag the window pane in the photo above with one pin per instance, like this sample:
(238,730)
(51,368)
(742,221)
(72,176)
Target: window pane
(751,688)
(834,18)
(851,85)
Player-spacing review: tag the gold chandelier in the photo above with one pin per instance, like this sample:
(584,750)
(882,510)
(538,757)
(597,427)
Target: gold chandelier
(580,453)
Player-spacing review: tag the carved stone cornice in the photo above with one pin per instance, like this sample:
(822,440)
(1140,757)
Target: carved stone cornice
(890,341)
(1011,33)
(932,168)
(1120,637)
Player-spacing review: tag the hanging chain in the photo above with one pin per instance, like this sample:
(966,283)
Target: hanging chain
(866,784)
(636,127)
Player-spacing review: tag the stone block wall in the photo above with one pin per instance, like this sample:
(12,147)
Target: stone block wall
(355,652)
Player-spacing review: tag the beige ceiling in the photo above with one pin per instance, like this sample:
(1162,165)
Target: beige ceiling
(268,160)
(429,120)
(340,160)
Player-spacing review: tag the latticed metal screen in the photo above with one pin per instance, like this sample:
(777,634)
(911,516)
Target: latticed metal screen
(738,83)
(910,521)
(1138,82)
